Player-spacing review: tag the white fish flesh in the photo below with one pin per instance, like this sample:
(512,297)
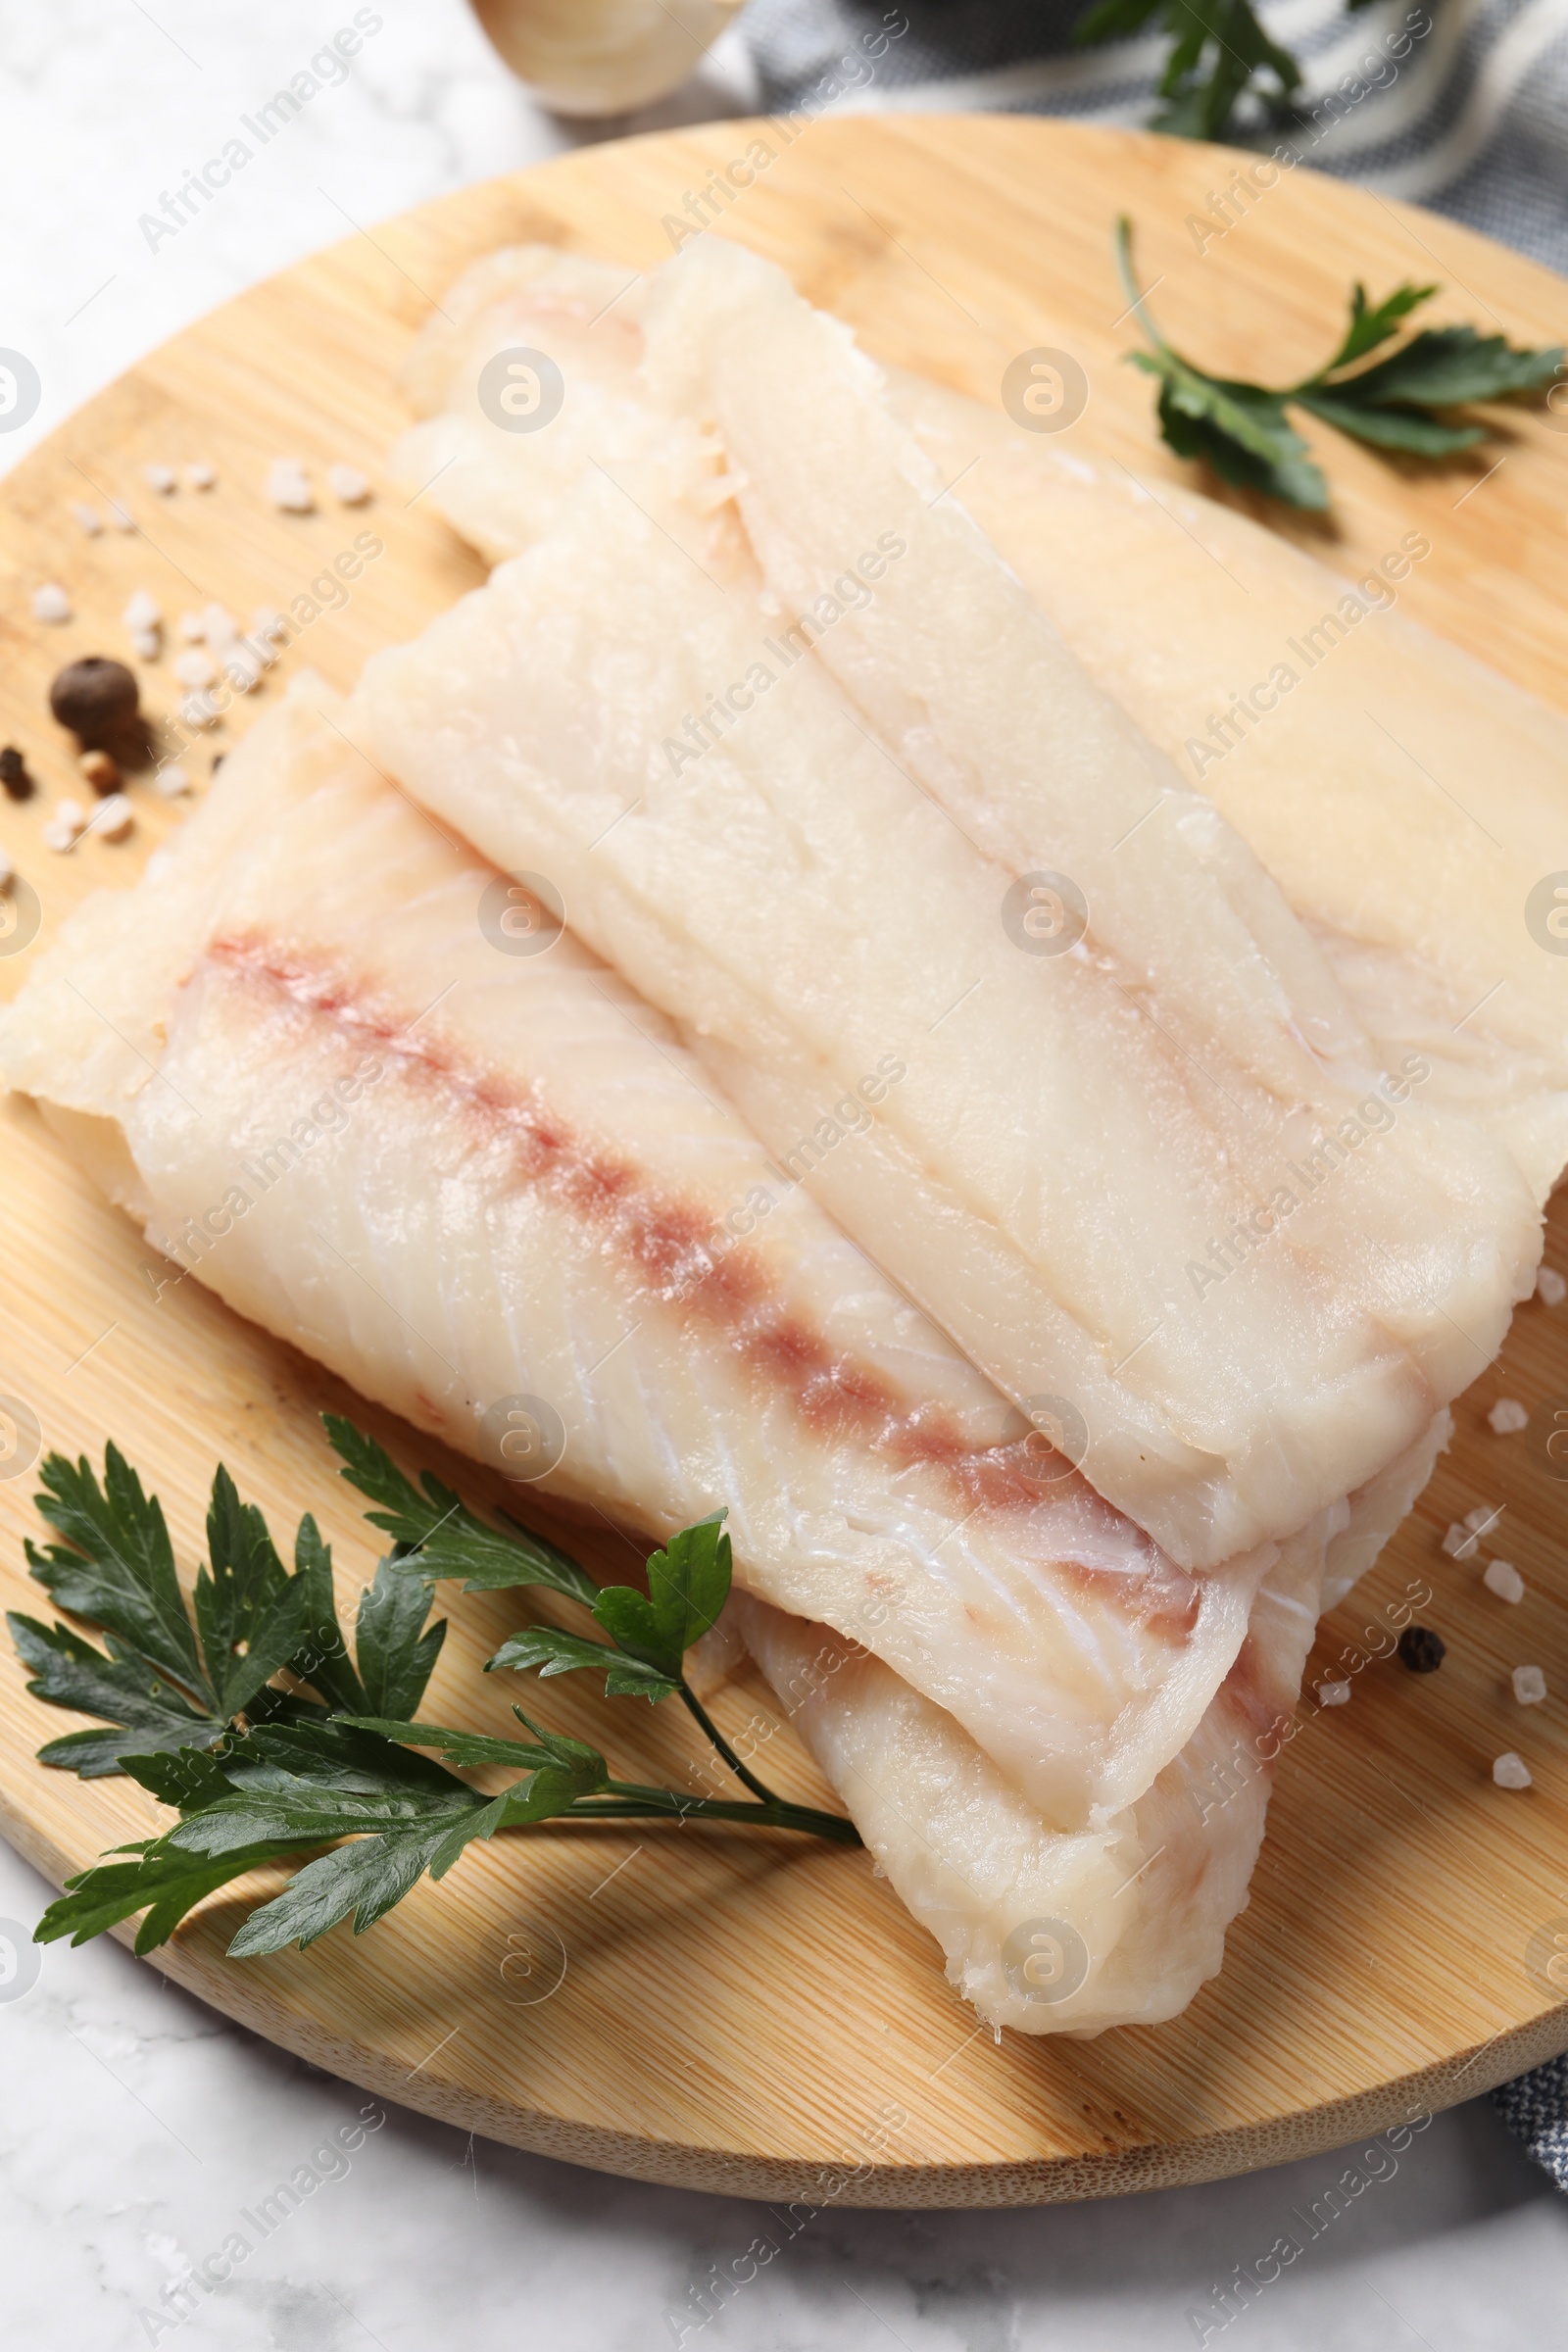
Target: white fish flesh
(1407,800)
(478,1182)
(1118,1925)
(1061,1174)
(1356,792)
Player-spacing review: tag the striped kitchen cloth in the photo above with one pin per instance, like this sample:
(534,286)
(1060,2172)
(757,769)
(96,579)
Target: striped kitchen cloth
(1461,105)
(1535,2109)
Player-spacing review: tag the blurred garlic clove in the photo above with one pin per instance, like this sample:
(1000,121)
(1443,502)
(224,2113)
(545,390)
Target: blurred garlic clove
(602,57)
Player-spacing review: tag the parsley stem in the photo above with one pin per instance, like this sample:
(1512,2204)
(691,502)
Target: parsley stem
(1129,284)
(627,1800)
(748,1779)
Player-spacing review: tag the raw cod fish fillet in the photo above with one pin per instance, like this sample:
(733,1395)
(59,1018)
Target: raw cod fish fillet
(1132,1914)
(460,1176)
(969,1859)
(1076,1135)
(242,1049)
(1405,798)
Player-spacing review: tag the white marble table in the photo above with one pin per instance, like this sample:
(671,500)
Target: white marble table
(137,2129)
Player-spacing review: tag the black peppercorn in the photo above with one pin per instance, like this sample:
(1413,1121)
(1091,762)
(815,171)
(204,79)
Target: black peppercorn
(14,777)
(1421,1650)
(97,700)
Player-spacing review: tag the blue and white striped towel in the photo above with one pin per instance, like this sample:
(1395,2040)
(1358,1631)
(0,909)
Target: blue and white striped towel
(1461,105)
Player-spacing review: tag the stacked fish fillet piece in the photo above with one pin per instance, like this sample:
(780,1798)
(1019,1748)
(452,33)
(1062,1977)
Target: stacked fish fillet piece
(1051,1206)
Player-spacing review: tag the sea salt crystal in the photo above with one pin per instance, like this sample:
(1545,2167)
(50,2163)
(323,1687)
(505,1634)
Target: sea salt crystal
(219,624)
(192,627)
(1550,1289)
(242,665)
(50,604)
(146,643)
(157,865)
(1511,1772)
(348,485)
(267,624)
(201,475)
(1333,1695)
(8,871)
(171,781)
(1481,1518)
(193,667)
(288,487)
(91,522)
(159,478)
(1504,1578)
(113,819)
(1507,1417)
(62,828)
(1529,1685)
(1459,1544)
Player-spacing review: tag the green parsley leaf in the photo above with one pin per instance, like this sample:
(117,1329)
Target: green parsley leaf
(688,1584)
(164,1883)
(548,1650)
(396,1661)
(166,1685)
(249,1611)
(438,1535)
(116,1565)
(1244,432)
(280,1777)
(323,1658)
(1218,50)
(120,1688)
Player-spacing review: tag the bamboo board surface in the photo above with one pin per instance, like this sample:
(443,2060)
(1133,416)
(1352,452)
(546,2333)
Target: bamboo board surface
(733,2012)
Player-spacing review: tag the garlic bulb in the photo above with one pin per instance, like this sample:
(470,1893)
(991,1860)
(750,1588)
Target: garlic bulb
(602,57)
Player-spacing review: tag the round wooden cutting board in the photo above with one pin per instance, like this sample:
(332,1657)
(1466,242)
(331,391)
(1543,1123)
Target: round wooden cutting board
(751,2014)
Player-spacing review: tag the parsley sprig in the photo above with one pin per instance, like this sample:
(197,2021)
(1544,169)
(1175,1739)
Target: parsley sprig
(248,1715)
(1218,49)
(1244,432)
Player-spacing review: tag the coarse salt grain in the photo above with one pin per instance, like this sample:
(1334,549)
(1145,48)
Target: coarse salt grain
(159,478)
(1459,1544)
(1511,1772)
(242,665)
(1529,1685)
(171,781)
(1333,1695)
(267,624)
(91,522)
(201,475)
(192,627)
(50,602)
(157,865)
(62,828)
(1481,1518)
(218,625)
(288,487)
(113,819)
(1551,1287)
(1507,1417)
(193,667)
(146,643)
(1504,1578)
(348,485)
(142,610)
(7,870)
